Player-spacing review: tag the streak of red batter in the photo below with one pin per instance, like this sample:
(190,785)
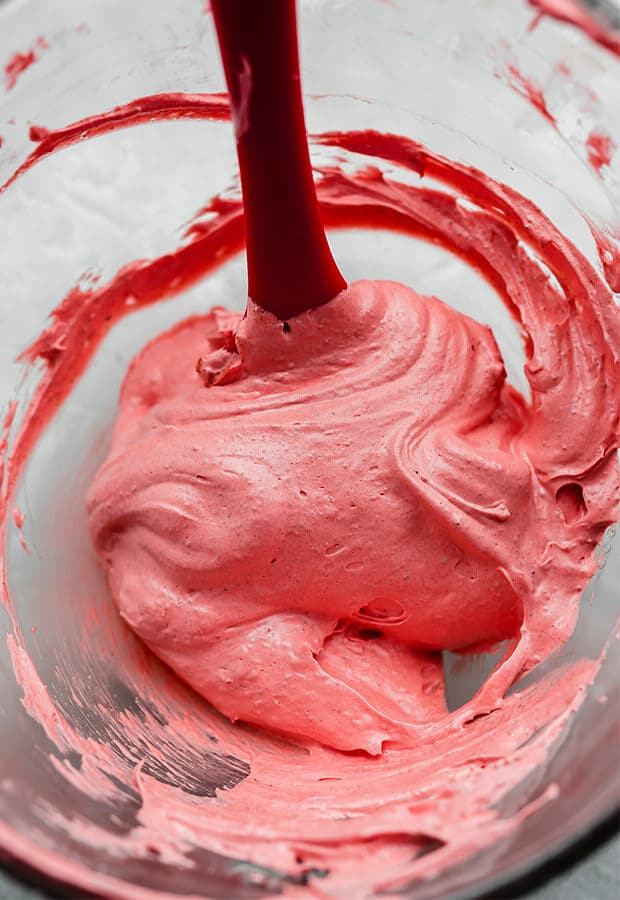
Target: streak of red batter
(581,17)
(531,91)
(19,62)
(600,147)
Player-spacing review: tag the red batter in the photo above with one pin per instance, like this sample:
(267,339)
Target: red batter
(293,474)
(356,487)
(581,17)
(19,62)
(600,147)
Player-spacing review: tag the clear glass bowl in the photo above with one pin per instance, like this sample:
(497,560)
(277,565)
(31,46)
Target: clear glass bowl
(442,73)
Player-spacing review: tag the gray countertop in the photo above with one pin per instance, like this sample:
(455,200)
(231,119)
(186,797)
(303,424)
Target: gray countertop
(595,878)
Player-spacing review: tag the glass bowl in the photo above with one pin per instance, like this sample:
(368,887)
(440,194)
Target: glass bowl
(462,77)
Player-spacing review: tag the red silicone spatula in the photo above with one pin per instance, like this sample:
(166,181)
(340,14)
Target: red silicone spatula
(290,266)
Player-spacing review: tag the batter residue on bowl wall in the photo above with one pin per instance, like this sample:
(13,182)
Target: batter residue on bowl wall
(423,788)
